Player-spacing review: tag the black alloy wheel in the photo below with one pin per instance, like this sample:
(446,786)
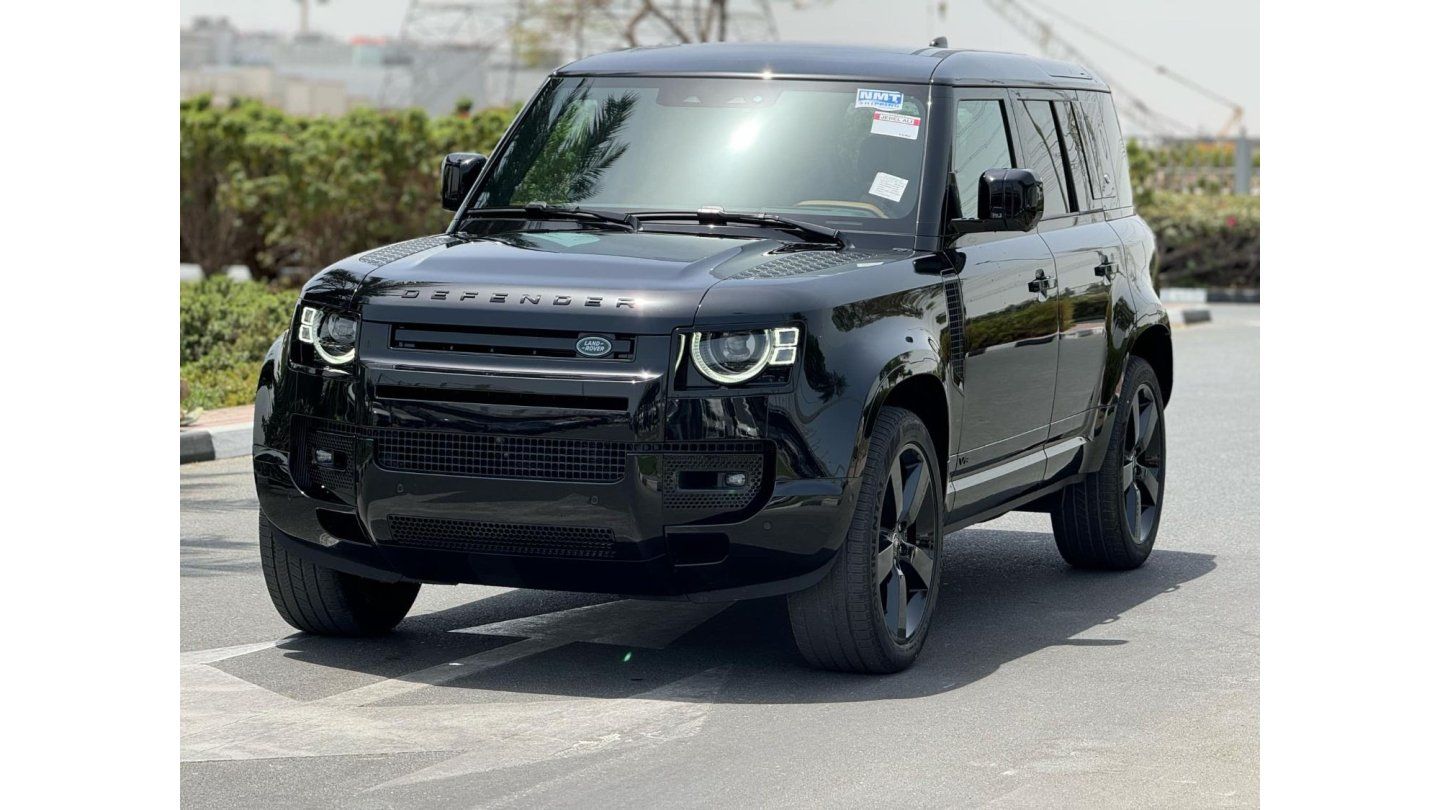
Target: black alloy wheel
(1110,518)
(873,609)
(1143,466)
(905,544)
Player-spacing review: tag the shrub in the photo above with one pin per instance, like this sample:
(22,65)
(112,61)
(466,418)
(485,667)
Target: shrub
(1206,240)
(225,329)
(269,190)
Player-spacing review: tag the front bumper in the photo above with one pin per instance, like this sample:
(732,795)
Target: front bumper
(627,536)
(499,475)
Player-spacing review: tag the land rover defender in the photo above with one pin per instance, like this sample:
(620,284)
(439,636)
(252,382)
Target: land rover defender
(725,321)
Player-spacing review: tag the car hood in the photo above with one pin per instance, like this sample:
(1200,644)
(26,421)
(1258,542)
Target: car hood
(587,280)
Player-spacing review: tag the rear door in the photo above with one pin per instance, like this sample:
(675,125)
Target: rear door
(1087,253)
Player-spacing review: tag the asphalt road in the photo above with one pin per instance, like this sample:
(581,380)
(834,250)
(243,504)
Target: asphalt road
(1040,686)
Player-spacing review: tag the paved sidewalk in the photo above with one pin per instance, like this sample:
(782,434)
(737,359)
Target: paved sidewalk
(220,433)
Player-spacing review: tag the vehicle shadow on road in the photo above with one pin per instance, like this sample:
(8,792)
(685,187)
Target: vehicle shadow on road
(1007,595)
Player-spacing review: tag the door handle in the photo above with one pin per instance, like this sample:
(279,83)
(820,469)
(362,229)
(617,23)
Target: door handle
(1106,269)
(1041,284)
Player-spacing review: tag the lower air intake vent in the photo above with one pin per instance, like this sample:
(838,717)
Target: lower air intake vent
(499,456)
(519,539)
(696,481)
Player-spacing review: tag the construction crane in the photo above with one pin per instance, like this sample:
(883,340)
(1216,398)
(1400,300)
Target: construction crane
(1040,31)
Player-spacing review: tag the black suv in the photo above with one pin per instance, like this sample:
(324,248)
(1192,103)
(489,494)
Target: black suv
(727,321)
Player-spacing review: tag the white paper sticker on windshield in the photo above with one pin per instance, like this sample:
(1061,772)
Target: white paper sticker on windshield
(895,125)
(879,99)
(889,186)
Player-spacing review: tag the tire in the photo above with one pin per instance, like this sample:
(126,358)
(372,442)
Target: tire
(1109,520)
(326,602)
(851,620)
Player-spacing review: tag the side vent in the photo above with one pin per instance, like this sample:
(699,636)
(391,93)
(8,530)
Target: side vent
(956,327)
(400,250)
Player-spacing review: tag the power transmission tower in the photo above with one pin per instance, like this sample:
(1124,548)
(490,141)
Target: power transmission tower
(441,41)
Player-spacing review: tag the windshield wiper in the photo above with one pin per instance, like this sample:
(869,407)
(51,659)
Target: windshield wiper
(544,211)
(718,216)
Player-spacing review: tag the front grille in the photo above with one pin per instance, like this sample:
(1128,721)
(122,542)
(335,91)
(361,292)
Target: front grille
(507,342)
(528,458)
(499,456)
(477,537)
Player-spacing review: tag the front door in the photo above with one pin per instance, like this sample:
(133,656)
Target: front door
(1006,366)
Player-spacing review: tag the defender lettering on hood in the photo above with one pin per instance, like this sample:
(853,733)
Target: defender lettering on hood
(618,302)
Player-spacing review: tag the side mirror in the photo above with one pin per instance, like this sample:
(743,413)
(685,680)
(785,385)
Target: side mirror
(1009,200)
(458,172)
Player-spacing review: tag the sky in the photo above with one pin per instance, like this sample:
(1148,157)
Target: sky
(1215,43)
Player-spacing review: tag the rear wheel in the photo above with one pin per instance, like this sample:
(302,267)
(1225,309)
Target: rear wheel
(327,602)
(1110,519)
(872,611)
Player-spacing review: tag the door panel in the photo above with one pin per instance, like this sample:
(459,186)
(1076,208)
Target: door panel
(1087,257)
(1010,345)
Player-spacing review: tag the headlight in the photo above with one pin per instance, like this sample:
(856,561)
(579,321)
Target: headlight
(332,334)
(734,357)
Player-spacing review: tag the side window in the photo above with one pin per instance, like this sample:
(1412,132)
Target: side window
(980,144)
(1076,156)
(1042,154)
(1098,152)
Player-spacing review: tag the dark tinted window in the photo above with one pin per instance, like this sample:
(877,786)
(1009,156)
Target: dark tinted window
(1042,153)
(1100,119)
(814,150)
(1076,155)
(1098,152)
(980,144)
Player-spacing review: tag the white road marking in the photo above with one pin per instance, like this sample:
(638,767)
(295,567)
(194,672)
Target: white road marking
(228,718)
(626,623)
(221,653)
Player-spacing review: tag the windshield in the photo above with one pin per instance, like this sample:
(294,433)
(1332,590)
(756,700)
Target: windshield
(839,154)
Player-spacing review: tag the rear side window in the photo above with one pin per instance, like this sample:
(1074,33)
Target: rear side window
(1098,151)
(1098,112)
(980,144)
(1041,142)
(1076,155)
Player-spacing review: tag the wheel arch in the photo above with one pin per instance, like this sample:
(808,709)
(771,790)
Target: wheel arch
(1154,347)
(911,381)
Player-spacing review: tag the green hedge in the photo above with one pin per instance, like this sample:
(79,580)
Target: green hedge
(225,329)
(1205,240)
(269,190)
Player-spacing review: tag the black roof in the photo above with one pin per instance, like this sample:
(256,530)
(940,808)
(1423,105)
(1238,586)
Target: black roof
(795,60)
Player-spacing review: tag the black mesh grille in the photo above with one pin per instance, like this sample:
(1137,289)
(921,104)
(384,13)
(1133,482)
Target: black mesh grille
(674,495)
(800,263)
(339,477)
(520,539)
(499,456)
(400,250)
(955,322)
(491,456)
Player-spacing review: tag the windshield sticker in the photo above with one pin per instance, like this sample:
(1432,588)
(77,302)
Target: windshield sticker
(895,125)
(888,100)
(889,186)
(564,239)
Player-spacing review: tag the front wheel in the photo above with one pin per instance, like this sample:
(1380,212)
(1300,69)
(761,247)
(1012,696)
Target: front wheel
(873,609)
(1109,519)
(327,602)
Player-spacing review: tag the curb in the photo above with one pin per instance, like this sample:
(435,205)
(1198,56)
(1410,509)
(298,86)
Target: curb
(1209,295)
(208,444)
(1188,316)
